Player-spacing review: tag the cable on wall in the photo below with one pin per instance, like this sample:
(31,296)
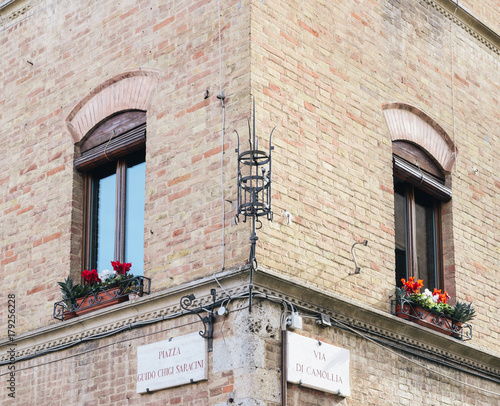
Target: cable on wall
(453,81)
(385,347)
(132,326)
(225,302)
(221,97)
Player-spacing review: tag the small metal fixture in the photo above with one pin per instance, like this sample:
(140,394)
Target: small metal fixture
(357,270)
(208,321)
(254,189)
(324,320)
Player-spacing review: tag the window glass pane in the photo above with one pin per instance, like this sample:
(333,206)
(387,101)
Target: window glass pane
(400,230)
(425,241)
(134,213)
(103,220)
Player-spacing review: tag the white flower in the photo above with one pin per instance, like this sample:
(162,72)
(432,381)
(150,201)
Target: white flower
(106,274)
(428,293)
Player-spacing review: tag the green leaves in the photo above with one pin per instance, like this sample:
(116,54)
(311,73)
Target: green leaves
(464,312)
(69,292)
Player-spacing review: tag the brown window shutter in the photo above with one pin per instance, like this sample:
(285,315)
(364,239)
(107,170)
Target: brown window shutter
(421,179)
(124,144)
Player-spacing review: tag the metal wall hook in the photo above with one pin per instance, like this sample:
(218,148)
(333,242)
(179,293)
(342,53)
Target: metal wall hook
(357,270)
(208,321)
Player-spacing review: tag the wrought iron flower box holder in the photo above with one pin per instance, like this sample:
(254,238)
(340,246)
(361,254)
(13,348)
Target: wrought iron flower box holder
(103,297)
(410,311)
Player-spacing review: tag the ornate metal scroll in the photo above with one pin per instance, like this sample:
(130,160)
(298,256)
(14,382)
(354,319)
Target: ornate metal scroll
(208,321)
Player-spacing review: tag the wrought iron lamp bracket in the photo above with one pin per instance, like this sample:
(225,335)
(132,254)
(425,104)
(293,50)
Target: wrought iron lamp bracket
(208,320)
(254,188)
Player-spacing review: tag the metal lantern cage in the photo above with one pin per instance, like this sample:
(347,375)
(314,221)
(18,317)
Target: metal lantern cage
(254,186)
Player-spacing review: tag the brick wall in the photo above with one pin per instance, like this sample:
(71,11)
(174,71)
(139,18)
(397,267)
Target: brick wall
(52,57)
(324,69)
(320,72)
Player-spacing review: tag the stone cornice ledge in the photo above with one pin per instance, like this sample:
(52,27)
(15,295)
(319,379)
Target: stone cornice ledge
(378,324)
(468,22)
(159,304)
(372,322)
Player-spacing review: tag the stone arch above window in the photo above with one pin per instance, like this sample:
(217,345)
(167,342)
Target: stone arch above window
(408,123)
(132,90)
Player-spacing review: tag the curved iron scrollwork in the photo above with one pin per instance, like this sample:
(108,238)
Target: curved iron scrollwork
(208,321)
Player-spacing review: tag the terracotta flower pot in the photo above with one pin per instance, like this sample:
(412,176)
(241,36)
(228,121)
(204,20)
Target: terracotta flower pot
(434,321)
(404,312)
(69,315)
(100,300)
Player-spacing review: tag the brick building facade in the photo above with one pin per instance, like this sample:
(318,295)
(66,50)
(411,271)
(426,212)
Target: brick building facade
(348,86)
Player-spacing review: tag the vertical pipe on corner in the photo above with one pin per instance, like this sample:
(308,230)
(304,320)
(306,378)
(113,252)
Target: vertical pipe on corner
(283,366)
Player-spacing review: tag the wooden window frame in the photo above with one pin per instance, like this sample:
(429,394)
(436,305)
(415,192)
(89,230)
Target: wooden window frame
(418,171)
(117,138)
(411,239)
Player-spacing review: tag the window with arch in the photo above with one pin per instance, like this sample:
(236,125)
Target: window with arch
(423,154)
(112,160)
(419,191)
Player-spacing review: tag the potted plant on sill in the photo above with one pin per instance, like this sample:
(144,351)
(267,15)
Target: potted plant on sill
(463,313)
(105,289)
(430,309)
(99,290)
(70,293)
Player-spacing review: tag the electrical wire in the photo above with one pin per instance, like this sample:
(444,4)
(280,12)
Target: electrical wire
(412,360)
(287,305)
(453,83)
(110,333)
(221,98)
(95,337)
(98,336)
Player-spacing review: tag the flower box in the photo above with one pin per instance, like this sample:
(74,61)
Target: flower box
(102,297)
(430,310)
(433,320)
(94,301)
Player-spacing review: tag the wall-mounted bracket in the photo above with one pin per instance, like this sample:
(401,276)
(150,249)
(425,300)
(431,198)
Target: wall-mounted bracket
(357,270)
(254,189)
(208,320)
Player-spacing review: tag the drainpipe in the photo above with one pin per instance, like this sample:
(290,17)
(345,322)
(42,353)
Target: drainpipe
(283,365)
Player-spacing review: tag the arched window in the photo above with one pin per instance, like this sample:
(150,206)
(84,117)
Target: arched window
(422,156)
(113,163)
(108,127)
(418,192)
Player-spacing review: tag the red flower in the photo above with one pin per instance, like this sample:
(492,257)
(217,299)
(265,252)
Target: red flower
(442,297)
(411,286)
(121,268)
(90,277)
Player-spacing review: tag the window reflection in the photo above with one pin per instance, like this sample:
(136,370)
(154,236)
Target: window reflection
(106,201)
(134,215)
(103,219)
(400,229)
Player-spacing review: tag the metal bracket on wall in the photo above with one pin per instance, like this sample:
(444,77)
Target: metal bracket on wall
(357,270)
(208,321)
